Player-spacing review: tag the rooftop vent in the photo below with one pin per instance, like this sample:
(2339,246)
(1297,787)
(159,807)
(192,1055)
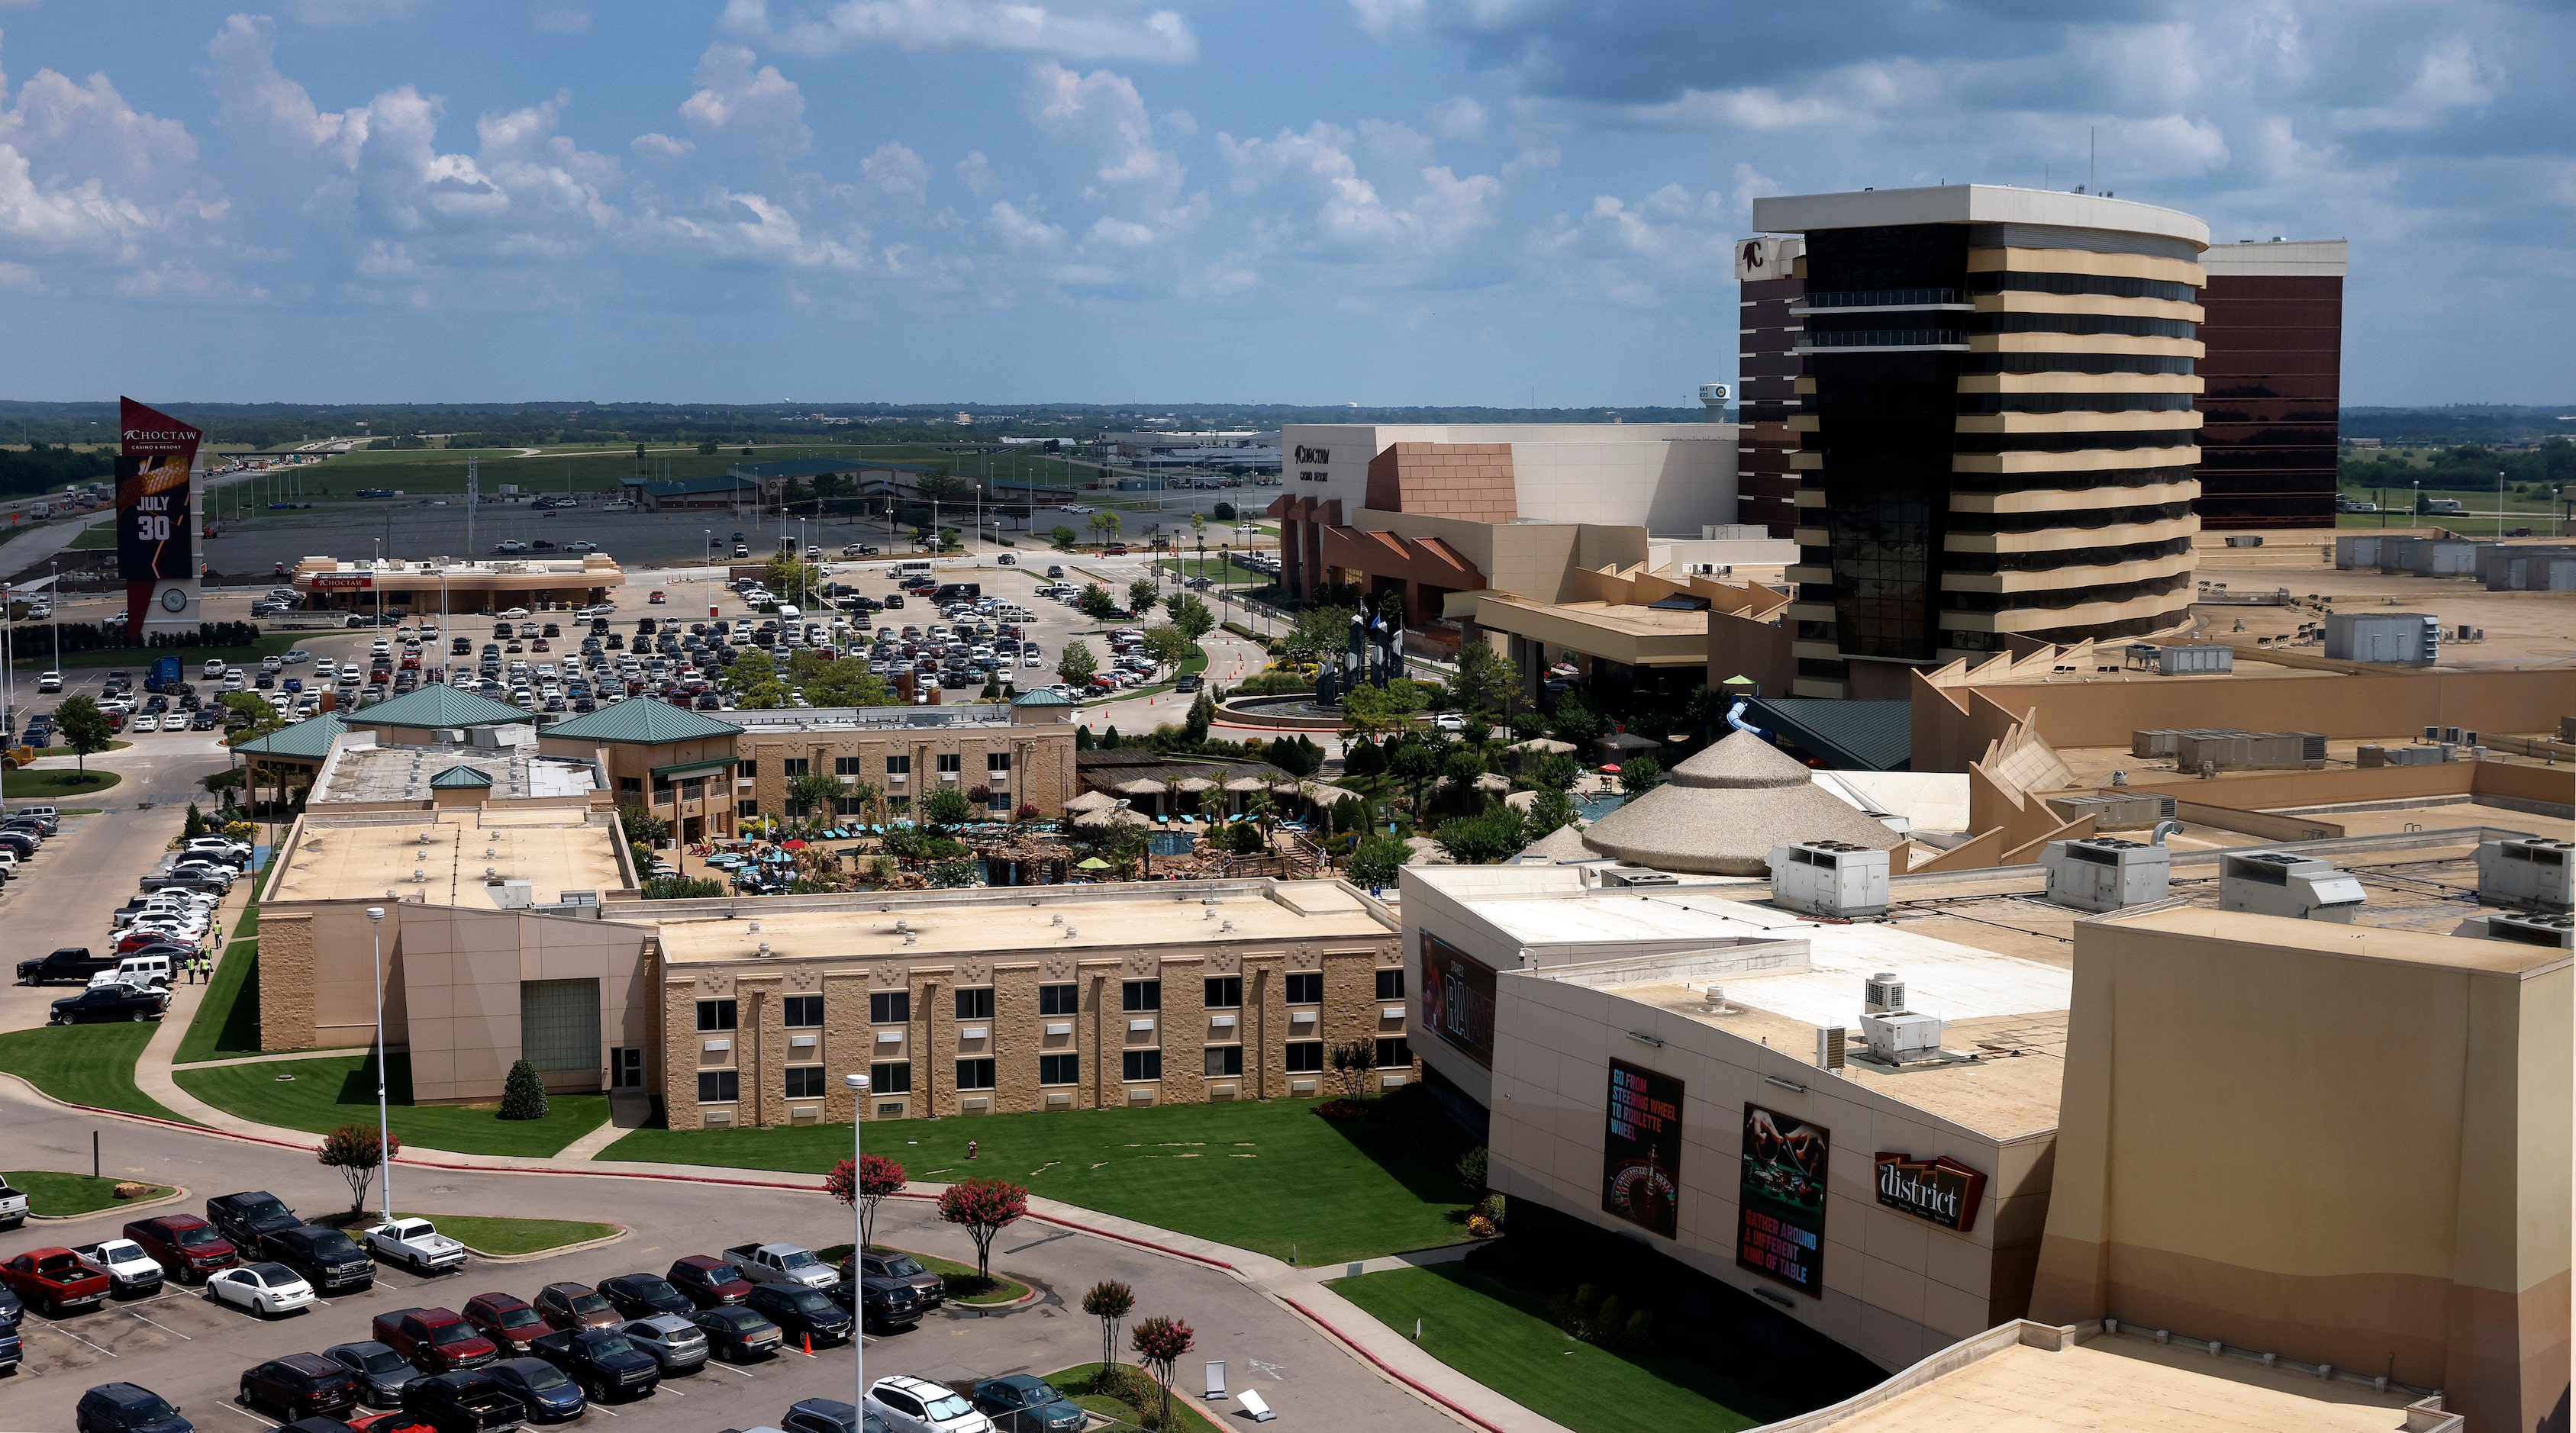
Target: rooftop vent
(1882,993)
(763,950)
(2105,873)
(2527,871)
(1901,1037)
(2283,883)
(2556,932)
(1830,878)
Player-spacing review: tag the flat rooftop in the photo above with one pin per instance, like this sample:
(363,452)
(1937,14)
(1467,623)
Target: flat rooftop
(454,857)
(1017,925)
(2121,1384)
(361,769)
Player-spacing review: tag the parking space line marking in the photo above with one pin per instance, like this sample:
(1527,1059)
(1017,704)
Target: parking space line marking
(665,1387)
(246,1413)
(604,1408)
(165,1328)
(729,1368)
(76,1338)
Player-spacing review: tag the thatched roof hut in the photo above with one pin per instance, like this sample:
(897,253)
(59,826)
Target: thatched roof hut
(1723,810)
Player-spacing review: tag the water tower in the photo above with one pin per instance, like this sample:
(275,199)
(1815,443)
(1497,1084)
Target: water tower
(1715,396)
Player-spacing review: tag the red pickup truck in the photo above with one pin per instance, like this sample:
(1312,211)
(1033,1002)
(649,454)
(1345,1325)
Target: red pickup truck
(55,1280)
(435,1340)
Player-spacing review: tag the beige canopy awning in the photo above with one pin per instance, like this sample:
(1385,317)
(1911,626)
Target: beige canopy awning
(1194,784)
(1247,783)
(1091,801)
(1140,786)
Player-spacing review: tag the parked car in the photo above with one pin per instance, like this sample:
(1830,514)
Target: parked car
(469,1402)
(896,1264)
(131,1273)
(13,1205)
(247,1216)
(569,1305)
(126,1408)
(506,1320)
(551,1396)
(102,1003)
(737,1334)
(264,1289)
(828,1415)
(72,963)
(417,1245)
(675,1343)
(606,1366)
(435,1340)
(801,1311)
(329,1260)
(54,1281)
(883,1305)
(299,1385)
(187,1248)
(917,1405)
(640,1296)
(1021,1403)
(707,1282)
(382,1374)
(781,1263)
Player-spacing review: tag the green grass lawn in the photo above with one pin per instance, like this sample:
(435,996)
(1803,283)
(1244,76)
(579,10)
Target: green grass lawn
(85,1064)
(486,1234)
(1266,1176)
(56,1195)
(1075,1384)
(1500,1336)
(328,1093)
(227,1020)
(52,782)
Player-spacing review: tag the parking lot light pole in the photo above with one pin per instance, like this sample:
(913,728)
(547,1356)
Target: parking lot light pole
(858,1252)
(384,1118)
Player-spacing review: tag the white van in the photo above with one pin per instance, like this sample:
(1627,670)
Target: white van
(787,613)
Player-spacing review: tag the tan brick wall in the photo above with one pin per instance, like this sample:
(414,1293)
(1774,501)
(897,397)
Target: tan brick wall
(1040,774)
(286,1008)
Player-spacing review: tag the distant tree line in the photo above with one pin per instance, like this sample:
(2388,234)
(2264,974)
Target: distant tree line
(44,467)
(2467,467)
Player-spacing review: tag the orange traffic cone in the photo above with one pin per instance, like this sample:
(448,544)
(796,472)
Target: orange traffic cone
(809,1345)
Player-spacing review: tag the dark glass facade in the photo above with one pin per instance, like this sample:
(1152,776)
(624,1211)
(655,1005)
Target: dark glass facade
(1766,394)
(2273,381)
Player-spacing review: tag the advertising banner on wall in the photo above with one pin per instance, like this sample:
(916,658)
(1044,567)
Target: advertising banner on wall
(1641,1156)
(1941,1190)
(1780,1198)
(154,542)
(1458,998)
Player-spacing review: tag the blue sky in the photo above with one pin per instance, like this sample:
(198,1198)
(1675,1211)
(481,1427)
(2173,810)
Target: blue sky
(1378,201)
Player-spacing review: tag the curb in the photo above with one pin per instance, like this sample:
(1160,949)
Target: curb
(1382,1366)
(558,1250)
(176,1195)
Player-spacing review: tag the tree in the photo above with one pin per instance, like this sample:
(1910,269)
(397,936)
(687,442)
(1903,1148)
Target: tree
(1191,615)
(1110,1302)
(642,826)
(847,683)
(1392,707)
(878,1179)
(947,807)
(1320,629)
(1142,595)
(1298,755)
(1639,775)
(1222,512)
(750,669)
(1375,859)
(84,728)
(1161,1343)
(1486,679)
(983,1208)
(1552,811)
(1075,664)
(1363,758)
(1484,839)
(1414,765)
(523,1095)
(1194,727)
(1095,602)
(1555,771)
(1353,1061)
(1575,720)
(354,1150)
(1165,644)
(194,825)
(1104,524)
(943,488)
(1063,536)
(813,792)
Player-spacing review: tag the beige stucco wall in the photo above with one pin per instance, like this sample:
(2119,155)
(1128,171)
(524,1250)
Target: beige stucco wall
(1041,758)
(2344,1145)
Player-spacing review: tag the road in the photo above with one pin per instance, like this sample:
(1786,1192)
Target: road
(192,1351)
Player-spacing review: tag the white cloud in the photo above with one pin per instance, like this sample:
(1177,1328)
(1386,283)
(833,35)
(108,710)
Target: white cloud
(1386,19)
(1103,111)
(2450,78)
(1181,121)
(746,104)
(1531,159)
(348,12)
(661,148)
(1351,214)
(1068,28)
(93,186)
(897,172)
(976,173)
(1456,118)
(1021,230)
(561,20)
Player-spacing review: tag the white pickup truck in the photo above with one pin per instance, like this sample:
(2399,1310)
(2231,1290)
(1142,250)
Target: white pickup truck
(417,1245)
(130,1272)
(782,1264)
(13,1206)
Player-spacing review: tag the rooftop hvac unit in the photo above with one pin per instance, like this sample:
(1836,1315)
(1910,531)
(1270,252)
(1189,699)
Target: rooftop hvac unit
(1637,876)
(2550,932)
(2528,871)
(2405,638)
(2248,750)
(2419,755)
(1829,878)
(2163,741)
(2281,883)
(486,735)
(452,735)
(1883,993)
(2115,811)
(1902,1037)
(2105,873)
(512,895)
(2170,660)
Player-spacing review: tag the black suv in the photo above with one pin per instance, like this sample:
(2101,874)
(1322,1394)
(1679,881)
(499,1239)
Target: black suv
(127,1408)
(801,1312)
(247,1216)
(101,1003)
(640,1296)
(327,1259)
(299,1385)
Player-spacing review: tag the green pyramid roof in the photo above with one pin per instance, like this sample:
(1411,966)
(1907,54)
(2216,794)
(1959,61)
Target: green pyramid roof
(456,777)
(437,705)
(642,721)
(307,740)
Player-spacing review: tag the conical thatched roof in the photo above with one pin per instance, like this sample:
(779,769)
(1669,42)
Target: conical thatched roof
(1557,847)
(1723,810)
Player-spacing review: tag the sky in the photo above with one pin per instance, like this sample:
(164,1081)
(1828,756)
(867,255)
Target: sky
(1501,202)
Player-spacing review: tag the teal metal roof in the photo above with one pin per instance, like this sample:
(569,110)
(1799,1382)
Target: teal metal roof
(1044,697)
(1847,735)
(643,721)
(458,777)
(688,768)
(307,740)
(436,705)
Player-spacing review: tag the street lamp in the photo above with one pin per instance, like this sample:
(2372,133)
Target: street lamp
(384,1118)
(859,1245)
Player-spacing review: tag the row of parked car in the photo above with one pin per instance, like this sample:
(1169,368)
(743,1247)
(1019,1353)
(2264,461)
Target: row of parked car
(167,922)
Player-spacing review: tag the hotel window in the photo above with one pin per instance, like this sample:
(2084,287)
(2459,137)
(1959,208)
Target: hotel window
(848,766)
(1390,984)
(849,806)
(1059,1000)
(1306,988)
(794,766)
(950,763)
(631,784)
(890,1007)
(719,1087)
(898,766)
(1305,1057)
(1140,995)
(997,761)
(898,804)
(803,1012)
(892,1077)
(1394,1053)
(745,810)
(1059,1069)
(1142,1065)
(746,769)
(1224,992)
(975,1003)
(1225,1059)
(715,1015)
(804,1082)
(974,1074)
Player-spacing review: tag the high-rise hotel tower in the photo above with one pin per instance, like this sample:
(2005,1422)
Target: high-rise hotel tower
(1996,426)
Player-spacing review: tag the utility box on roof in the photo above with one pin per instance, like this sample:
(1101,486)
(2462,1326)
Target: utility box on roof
(1829,878)
(2551,931)
(2528,871)
(2400,638)
(2170,660)
(2105,873)
(2282,883)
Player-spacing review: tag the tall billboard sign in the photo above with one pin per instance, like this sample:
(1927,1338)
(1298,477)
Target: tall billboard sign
(1780,1200)
(1641,1149)
(1458,999)
(156,548)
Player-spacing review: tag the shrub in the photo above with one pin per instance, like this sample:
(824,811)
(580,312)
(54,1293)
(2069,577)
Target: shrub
(1343,1108)
(1471,1168)
(523,1097)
